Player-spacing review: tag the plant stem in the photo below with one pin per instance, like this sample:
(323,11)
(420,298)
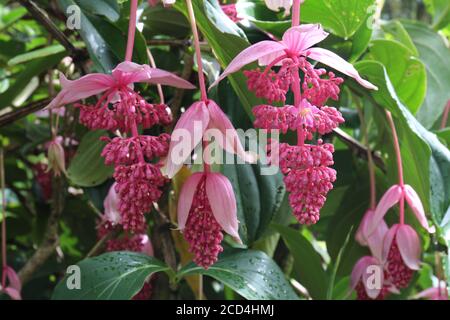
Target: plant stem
(201,76)
(370,164)
(2,186)
(158,86)
(200,287)
(399,164)
(131,30)
(296,13)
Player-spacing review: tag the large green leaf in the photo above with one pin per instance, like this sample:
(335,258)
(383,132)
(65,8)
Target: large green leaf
(406,72)
(343,18)
(307,262)
(226,40)
(87,168)
(111,276)
(250,273)
(258,198)
(107,8)
(440,9)
(436,56)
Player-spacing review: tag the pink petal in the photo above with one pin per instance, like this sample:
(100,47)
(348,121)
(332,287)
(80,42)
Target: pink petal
(13,278)
(302,37)
(430,293)
(387,243)
(375,240)
(333,60)
(186,196)
(130,72)
(250,54)
(223,203)
(82,88)
(189,130)
(166,78)
(416,206)
(111,205)
(360,273)
(231,142)
(13,293)
(409,245)
(147,247)
(360,235)
(390,198)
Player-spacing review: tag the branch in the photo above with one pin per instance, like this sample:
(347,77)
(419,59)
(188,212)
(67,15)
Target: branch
(40,15)
(51,238)
(358,148)
(19,113)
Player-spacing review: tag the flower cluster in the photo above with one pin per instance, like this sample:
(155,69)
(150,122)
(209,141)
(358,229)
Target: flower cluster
(306,167)
(207,206)
(138,177)
(110,225)
(395,250)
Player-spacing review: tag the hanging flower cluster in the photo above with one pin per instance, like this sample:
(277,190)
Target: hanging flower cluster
(121,108)
(206,204)
(110,225)
(395,250)
(307,171)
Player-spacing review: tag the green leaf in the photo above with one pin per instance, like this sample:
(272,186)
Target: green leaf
(436,56)
(342,18)
(107,8)
(218,30)
(440,9)
(258,198)
(406,72)
(394,30)
(307,262)
(165,21)
(250,273)
(111,276)
(87,168)
(31,69)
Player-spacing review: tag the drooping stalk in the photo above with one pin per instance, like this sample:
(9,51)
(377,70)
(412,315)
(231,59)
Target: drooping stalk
(2,186)
(296,83)
(129,57)
(370,163)
(399,164)
(198,54)
(201,77)
(131,30)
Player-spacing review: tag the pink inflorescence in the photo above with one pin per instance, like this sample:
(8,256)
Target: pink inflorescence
(361,293)
(308,178)
(306,168)
(138,186)
(138,180)
(399,273)
(202,231)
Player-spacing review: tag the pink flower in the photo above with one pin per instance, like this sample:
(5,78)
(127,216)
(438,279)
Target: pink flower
(56,157)
(190,131)
(206,206)
(14,287)
(363,282)
(121,79)
(392,197)
(375,240)
(435,293)
(297,42)
(111,206)
(230,11)
(401,254)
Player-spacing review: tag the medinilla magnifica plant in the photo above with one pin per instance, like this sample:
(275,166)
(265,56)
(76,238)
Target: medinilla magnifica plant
(211,149)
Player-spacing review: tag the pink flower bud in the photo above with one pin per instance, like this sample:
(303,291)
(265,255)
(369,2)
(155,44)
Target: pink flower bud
(56,158)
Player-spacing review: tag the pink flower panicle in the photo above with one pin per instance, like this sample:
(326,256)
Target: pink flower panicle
(308,178)
(120,115)
(399,273)
(127,150)
(361,293)
(138,186)
(202,231)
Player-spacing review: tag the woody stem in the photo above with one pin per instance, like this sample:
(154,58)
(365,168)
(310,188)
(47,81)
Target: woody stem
(2,186)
